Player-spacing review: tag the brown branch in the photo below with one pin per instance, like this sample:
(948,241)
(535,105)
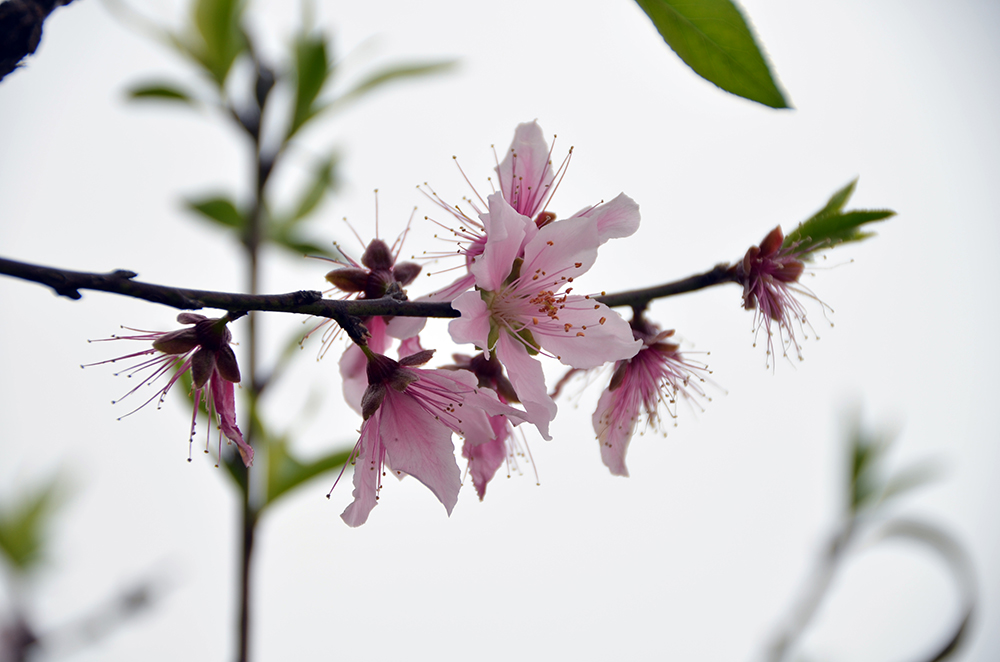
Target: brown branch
(306,302)
(21,29)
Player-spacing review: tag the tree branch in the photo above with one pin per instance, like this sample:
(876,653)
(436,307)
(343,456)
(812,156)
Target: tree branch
(21,29)
(306,302)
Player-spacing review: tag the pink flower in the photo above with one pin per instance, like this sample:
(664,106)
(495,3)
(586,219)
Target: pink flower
(204,350)
(520,307)
(486,457)
(656,376)
(378,275)
(527,181)
(410,415)
(770,276)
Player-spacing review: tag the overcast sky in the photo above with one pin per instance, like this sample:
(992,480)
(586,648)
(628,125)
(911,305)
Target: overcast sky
(699,554)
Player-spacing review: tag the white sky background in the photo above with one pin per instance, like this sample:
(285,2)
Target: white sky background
(700,552)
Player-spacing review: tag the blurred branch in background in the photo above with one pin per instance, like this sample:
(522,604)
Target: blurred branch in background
(865,524)
(25,528)
(21,29)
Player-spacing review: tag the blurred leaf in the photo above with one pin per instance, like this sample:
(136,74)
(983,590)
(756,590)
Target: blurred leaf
(390,74)
(218,209)
(300,245)
(909,479)
(285,472)
(312,68)
(160,91)
(219,36)
(712,37)
(831,226)
(323,180)
(22,527)
(866,481)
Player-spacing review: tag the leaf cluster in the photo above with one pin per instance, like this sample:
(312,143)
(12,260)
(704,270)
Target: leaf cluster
(215,41)
(831,225)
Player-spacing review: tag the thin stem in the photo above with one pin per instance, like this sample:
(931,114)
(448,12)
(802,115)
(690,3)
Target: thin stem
(306,302)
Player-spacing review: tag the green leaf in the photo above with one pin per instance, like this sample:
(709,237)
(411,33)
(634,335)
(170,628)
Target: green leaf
(910,479)
(297,244)
(218,209)
(831,226)
(285,472)
(323,181)
(22,527)
(160,91)
(712,38)
(219,36)
(394,73)
(312,69)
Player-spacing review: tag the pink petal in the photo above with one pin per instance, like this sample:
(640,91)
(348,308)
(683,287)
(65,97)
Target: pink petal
(505,230)
(367,473)
(485,459)
(614,427)
(525,173)
(405,327)
(561,250)
(224,401)
(526,375)
(600,342)
(474,324)
(615,219)
(417,444)
(409,347)
(450,292)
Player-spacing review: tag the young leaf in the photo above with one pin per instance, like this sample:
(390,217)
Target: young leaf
(390,74)
(22,527)
(218,209)
(160,91)
(312,68)
(712,37)
(285,472)
(323,180)
(831,226)
(220,37)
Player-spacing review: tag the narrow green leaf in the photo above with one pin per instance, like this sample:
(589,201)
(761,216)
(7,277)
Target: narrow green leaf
(910,479)
(160,91)
(831,226)
(312,69)
(712,37)
(23,526)
(394,73)
(323,181)
(285,472)
(220,36)
(218,209)
(299,245)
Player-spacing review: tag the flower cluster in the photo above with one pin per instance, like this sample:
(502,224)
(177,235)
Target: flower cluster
(518,306)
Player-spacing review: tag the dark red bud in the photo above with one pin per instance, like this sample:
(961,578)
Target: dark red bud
(372,399)
(789,271)
(349,279)
(181,341)
(406,272)
(225,362)
(202,367)
(419,358)
(772,242)
(377,256)
(618,376)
